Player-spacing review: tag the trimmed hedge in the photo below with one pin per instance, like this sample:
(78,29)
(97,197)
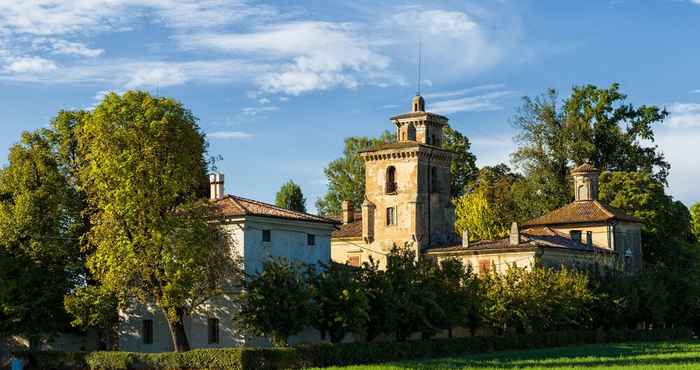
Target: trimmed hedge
(335,354)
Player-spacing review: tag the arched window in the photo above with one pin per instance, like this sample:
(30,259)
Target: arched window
(434,180)
(411,132)
(390,180)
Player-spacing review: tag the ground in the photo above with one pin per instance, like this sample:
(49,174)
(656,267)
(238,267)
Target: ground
(675,355)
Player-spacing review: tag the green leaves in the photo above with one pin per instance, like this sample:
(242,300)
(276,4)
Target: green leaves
(290,197)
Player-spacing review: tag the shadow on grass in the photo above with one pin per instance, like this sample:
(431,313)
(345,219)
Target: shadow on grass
(582,356)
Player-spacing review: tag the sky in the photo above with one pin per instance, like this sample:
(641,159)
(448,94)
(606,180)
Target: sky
(277,86)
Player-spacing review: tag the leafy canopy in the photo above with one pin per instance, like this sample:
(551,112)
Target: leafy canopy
(290,197)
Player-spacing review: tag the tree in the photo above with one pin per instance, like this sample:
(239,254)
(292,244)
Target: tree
(593,124)
(341,303)
(695,219)
(94,308)
(290,197)
(276,302)
(143,175)
(381,302)
(346,175)
(666,223)
(38,243)
(463,168)
(461,296)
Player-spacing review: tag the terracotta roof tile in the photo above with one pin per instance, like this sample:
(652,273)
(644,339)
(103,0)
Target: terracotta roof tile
(350,230)
(233,206)
(581,212)
(584,168)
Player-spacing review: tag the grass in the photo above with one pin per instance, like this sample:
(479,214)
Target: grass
(673,355)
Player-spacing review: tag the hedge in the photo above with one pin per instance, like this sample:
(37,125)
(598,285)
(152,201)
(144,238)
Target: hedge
(334,354)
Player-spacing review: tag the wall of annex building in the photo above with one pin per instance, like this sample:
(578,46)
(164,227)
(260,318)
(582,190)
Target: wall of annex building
(599,232)
(355,252)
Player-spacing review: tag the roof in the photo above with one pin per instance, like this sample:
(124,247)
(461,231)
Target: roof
(419,114)
(584,211)
(584,168)
(529,239)
(349,230)
(402,145)
(234,206)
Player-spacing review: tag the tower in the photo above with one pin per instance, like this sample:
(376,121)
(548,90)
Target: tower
(585,182)
(407,184)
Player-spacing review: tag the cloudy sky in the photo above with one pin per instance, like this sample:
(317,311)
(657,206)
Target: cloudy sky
(278,85)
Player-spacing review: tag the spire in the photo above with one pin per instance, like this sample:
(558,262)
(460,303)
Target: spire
(418,85)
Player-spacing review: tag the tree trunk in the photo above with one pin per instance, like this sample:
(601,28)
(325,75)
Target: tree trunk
(177,331)
(449,332)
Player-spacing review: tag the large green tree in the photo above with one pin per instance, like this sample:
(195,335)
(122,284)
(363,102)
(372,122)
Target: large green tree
(592,124)
(143,169)
(695,220)
(463,168)
(290,197)
(39,252)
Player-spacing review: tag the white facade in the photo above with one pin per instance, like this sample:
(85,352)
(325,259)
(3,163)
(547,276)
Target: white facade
(288,239)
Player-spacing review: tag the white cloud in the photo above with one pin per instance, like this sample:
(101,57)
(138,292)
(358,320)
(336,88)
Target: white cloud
(253,111)
(460,92)
(695,1)
(477,103)
(30,65)
(73,48)
(308,55)
(229,135)
(681,150)
(492,150)
(698,90)
(684,115)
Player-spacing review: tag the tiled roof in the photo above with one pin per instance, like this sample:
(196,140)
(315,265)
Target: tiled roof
(586,211)
(233,206)
(349,230)
(584,168)
(529,238)
(418,115)
(403,145)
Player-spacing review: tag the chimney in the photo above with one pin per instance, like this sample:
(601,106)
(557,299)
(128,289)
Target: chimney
(514,234)
(216,186)
(348,212)
(465,238)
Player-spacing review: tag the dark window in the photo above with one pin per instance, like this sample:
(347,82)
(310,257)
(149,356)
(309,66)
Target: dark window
(390,180)
(266,236)
(575,235)
(411,132)
(589,239)
(213,330)
(391,216)
(147,332)
(310,239)
(434,180)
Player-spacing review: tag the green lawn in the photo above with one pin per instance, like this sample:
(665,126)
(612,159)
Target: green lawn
(674,355)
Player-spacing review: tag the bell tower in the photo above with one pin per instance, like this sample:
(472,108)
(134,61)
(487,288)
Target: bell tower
(585,182)
(407,184)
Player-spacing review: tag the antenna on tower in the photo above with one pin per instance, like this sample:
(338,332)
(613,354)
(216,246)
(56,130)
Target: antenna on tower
(419,62)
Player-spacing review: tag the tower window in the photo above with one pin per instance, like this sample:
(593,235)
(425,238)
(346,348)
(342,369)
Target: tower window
(411,132)
(391,216)
(390,186)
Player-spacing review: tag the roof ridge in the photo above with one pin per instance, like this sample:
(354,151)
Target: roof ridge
(284,210)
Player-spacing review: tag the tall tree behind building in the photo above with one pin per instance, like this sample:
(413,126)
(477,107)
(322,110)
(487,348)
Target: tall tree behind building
(290,197)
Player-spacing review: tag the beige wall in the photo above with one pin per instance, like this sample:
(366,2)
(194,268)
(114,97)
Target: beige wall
(498,261)
(343,249)
(600,233)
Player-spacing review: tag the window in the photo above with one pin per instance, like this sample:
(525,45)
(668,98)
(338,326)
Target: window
(266,236)
(147,332)
(213,330)
(433,180)
(575,235)
(310,239)
(411,132)
(390,178)
(391,216)
(484,267)
(589,239)
(354,261)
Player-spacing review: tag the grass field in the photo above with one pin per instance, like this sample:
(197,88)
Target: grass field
(674,355)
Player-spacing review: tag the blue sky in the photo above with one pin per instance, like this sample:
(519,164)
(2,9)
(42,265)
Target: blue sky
(278,85)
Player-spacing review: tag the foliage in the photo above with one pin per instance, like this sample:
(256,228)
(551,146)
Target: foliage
(92,307)
(489,207)
(346,175)
(538,300)
(380,296)
(341,303)
(276,302)
(695,220)
(290,197)
(39,252)
(461,296)
(593,124)
(143,172)
(463,168)
(344,354)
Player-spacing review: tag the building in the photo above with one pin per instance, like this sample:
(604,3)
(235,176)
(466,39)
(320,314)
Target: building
(407,192)
(257,232)
(408,201)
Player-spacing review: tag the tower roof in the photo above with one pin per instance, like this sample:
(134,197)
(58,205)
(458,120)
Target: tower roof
(584,168)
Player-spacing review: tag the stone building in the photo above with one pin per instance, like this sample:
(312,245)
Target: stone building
(257,232)
(408,201)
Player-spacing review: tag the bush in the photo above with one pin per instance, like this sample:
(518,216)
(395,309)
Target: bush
(335,354)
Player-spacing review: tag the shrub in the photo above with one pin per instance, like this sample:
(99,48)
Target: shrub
(335,354)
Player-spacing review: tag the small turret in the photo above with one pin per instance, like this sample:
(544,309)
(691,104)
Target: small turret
(418,104)
(585,182)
